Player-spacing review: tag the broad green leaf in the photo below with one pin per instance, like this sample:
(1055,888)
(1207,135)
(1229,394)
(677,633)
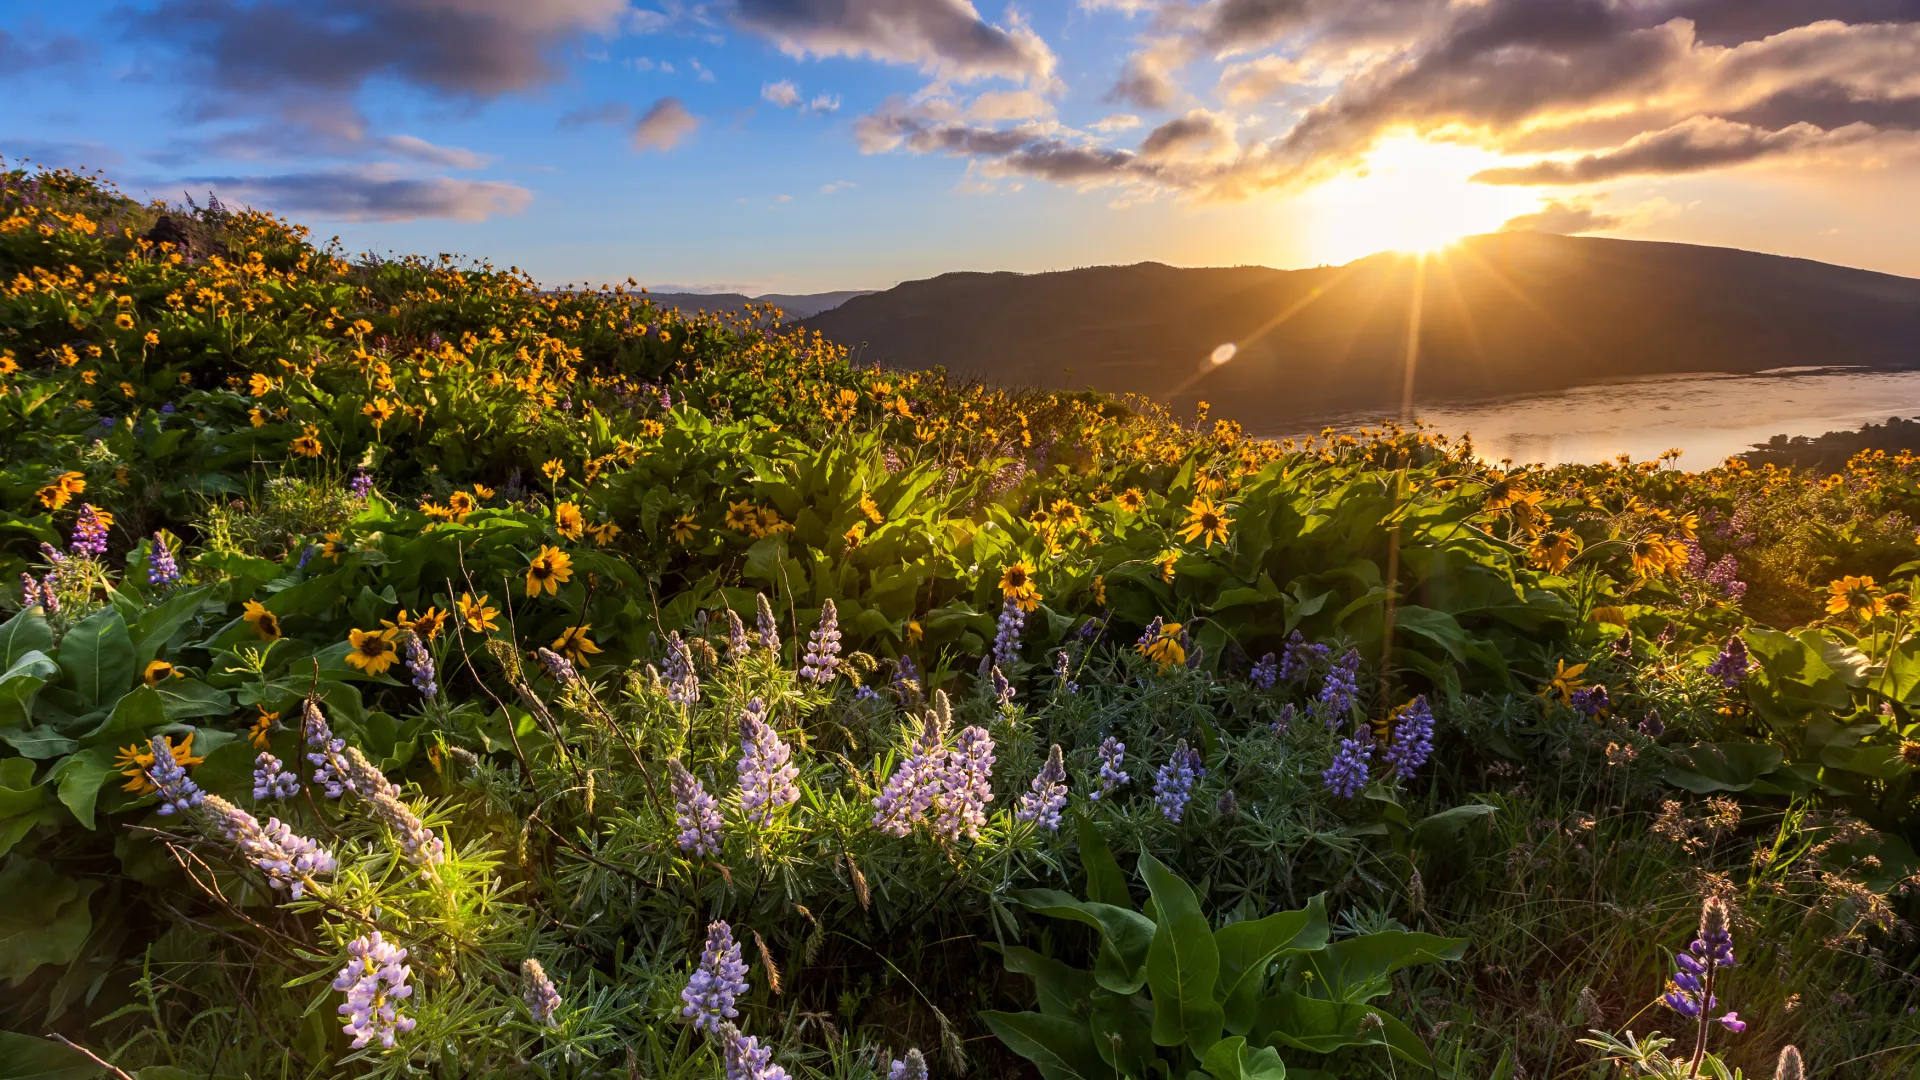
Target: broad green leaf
(26,1057)
(28,631)
(39,742)
(1248,948)
(21,683)
(1321,1027)
(1125,935)
(1446,826)
(1722,766)
(1062,989)
(135,717)
(1062,1049)
(1183,964)
(45,919)
(1122,1027)
(97,657)
(80,778)
(1106,884)
(1356,969)
(184,698)
(157,625)
(1232,1059)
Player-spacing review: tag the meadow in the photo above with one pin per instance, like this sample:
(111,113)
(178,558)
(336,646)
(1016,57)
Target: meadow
(415,671)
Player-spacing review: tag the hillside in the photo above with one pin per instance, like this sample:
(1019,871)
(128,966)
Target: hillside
(1505,313)
(796,305)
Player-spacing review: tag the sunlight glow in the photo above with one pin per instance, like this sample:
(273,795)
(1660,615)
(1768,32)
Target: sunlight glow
(1223,353)
(1410,196)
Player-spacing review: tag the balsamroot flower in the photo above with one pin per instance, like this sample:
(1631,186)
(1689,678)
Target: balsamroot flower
(1173,782)
(1048,795)
(1299,658)
(696,813)
(420,666)
(763,623)
(965,778)
(290,861)
(1336,693)
(1265,673)
(1113,754)
(538,992)
(911,1067)
(746,1059)
(683,683)
(1733,663)
(1006,638)
(766,774)
(178,793)
(271,780)
(1349,773)
(162,570)
(1412,740)
(90,532)
(375,982)
(822,658)
(1691,990)
(720,979)
(910,791)
(417,842)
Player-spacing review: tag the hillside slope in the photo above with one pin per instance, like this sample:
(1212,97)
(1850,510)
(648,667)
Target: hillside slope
(1504,313)
(796,305)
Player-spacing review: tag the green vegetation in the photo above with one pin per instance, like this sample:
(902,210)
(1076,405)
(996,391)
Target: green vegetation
(682,700)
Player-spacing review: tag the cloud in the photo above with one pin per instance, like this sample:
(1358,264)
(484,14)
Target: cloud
(1116,122)
(824,103)
(998,105)
(1147,80)
(371,194)
(55,154)
(414,148)
(782,93)
(19,56)
(663,126)
(1697,144)
(836,186)
(1562,219)
(944,37)
(607,112)
(1199,135)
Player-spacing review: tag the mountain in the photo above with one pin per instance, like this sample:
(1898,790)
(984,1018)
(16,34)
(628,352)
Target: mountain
(1499,314)
(797,305)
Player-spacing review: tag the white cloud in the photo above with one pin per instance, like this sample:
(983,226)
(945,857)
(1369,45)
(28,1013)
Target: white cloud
(782,93)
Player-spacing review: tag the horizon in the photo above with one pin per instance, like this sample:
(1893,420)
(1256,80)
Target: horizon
(803,146)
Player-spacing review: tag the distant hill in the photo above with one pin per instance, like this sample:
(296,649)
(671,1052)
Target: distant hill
(1829,453)
(1501,314)
(797,305)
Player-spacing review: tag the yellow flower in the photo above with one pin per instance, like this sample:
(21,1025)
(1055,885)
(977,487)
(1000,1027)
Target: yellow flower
(576,645)
(1564,682)
(548,570)
(855,534)
(771,523)
(308,444)
(482,492)
(265,623)
(914,632)
(1652,555)
(1858,595)
(256,418)
(604,533)
(476,614)
(259,385)
(1165,649)
(1100,589)
(427,624)
(460,504)
(379,410)
(160,671)
(870,508)
(258,734)
(684,527)
(1205,520)
(554,470)
(1166,566)
(743,517)
(568,522)
(1016,584)
(373,650)
(1553,551)
(134,761)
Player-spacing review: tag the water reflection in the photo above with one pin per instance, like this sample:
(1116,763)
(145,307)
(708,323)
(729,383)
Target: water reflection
(1708,416)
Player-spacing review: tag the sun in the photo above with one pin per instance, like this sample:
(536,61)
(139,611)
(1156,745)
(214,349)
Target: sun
(1411,196)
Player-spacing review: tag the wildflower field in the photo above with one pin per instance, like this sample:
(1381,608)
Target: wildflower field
(411,671)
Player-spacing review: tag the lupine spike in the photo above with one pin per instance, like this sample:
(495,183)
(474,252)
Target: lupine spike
(1173,783)
(769,629)
(766,772)
(720,979)
(1048,794)
(375,982)
(538,991)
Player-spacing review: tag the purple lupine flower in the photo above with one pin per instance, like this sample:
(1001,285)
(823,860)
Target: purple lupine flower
(766,776)
(271,780)
(1151,634)
(911,1067)
(89,533)
(306,556)
(420,666)
(324,751)
(1692,993)
(696,813)
(48,597)
(1335,702)
(1048,795)
(167,409)
(1725,575)
(823,647)
(1299,658)
(666,399)
(1652,726)
(29,590)
(1412,742)
(1173,783)
(288,859)
(746,1059)
(375,982)
(558,666)
(162,570)
(417,842)
(683,683)
(1265,673)
(1006,638)
(1002,689)
(965,786)
(538,991)
(1592,700)
(362,485)
(915,783)
(1063,672)
(737,646)
(768,629)
(178,793)
(363,779)
(719,980)
(1284,722)
(1113,754)
(1349,773)
(906,677)
(1733,663)
(865,693)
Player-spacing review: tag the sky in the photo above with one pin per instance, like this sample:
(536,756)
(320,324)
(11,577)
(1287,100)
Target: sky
(811,145)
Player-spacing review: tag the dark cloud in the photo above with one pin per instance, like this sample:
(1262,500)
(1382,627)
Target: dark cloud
(20,56)
(1197,134)
(1689,147)
(944,36)
(663,125)
(1562,219)
(60,155)
(1730,22)
(370,194)
(610,112)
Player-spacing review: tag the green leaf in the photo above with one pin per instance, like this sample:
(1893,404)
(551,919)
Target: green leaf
(1356,969)
(39,742)
(1230,1059)
(21,683)
(1062,989)
(1446,826)
(28,631)
(1182,963)
(157,625)
(97,657)
(1106,884)
(45,919)
(80,778)
(184,698)
(1125,935)
(25,1057)
(1062,1049)
(1723,766)
(1122,1027)
(135,717)
(1248,948)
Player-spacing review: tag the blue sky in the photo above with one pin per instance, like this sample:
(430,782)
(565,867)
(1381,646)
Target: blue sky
(794,145)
